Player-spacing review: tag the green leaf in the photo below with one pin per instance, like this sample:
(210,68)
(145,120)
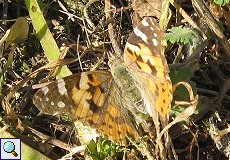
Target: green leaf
(221,2)
(6,66)
(92,147)
(102,149)
(181,35)
(221,25)
(18,32)
(179,109)
(181,93)
(182,74)
(1,83)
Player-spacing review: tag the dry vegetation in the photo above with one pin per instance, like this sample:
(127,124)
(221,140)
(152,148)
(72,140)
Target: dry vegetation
(87,30)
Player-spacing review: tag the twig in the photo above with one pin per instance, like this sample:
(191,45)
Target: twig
(64,9)
(178,54)
(56,142)
(119,9)
(196,55)
(216,69)
(78,55)
(91,24)
(203,11)
(67,13)
(213,93)
(224,90)
(112,35)
(126,13)
(187,17)
(100,61)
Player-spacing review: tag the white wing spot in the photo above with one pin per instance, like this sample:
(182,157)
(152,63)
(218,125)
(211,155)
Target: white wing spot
(152,28)
(52,103)
(155,43)
(61,86)
(154,34)
(141,35)
(133,47)
(45,90)
(144,22)
(61,104)
(47,99)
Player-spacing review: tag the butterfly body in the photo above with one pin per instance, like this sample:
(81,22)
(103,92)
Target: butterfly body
(112,101)
(127,86)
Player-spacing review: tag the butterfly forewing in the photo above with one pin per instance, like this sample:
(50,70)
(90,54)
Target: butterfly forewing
(144,55)
(145,50)
(87,97)
(71,93)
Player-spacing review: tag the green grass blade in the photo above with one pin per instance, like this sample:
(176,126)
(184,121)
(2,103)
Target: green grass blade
(44,35)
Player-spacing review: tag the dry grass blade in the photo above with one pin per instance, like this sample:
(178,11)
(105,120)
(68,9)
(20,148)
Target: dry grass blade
(74,150)
(55,142)
(220,137)
(188,111)
(22,82)
(3,129)
(90,30)
(143,149)
(5,103)
(89,21)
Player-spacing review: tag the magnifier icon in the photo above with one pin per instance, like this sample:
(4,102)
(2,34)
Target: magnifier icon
(9,147)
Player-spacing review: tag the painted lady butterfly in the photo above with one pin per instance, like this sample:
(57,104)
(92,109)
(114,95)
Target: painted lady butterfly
(112,102)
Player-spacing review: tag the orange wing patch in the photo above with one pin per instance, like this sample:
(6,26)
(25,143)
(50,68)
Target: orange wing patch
(111,101)
(144,53)
(89,100)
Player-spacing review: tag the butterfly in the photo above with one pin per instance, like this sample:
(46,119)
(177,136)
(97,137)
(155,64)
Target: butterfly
(113,101)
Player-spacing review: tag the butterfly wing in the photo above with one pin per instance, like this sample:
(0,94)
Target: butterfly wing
(144,55)
(90,98)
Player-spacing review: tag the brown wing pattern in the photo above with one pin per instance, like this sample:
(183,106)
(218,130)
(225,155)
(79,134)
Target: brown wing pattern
(87,97)
(144,55)
(93,98)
